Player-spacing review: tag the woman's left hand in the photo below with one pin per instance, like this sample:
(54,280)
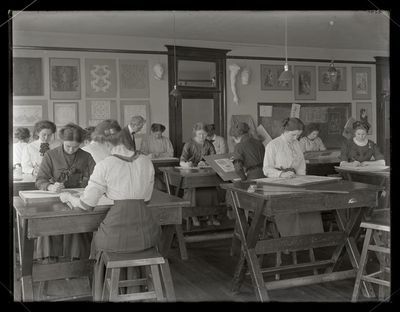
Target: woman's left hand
(65,197)
(201,163)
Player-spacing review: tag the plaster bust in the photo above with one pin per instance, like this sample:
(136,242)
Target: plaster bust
(158,71)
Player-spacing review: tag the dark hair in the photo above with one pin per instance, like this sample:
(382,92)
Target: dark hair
(88,133)
(360,125)
(156,127)
(199,126)
(239,129)
(210,128)
(43,124)
(104,129)
(311,128)
(22,134)
(72,132)
(292,124)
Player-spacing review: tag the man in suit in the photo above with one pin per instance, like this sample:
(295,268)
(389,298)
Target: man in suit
(135,125)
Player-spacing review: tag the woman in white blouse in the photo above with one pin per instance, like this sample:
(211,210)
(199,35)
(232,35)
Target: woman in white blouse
(284,158)
(311,142)
(127,177)
(33,153)
(22,135)
(156,145)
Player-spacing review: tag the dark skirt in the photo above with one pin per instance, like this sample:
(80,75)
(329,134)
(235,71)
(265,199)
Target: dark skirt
(129,226)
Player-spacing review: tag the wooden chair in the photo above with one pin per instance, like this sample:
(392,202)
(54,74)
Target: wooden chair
(151,262)
(377,226)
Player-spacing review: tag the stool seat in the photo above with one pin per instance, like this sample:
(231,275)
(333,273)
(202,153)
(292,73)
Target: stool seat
(146,257)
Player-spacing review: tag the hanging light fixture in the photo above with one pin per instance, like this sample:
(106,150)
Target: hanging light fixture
(286,75)
(332,71)
(175,92)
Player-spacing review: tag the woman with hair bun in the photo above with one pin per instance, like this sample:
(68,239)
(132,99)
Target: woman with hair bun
(311,142)
(156,145)
(359,151)
(284,158)
(66,166)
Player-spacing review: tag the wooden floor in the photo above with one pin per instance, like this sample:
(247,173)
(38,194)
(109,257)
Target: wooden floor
(207,276)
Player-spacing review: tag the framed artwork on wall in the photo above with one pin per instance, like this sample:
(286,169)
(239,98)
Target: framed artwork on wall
(327,84)
(133,79)
(65,79)
(101,78)
(304,83)
(65,112)
(361,83)
(99,110)
(364,114)
(27,76)
(270,75)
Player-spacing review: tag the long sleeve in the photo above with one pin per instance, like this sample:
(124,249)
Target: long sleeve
(169,148)
(344,152)
(45,173)
(26,161)
(223,146)
(321,145)
(95,189)
(301,169)
(144,146)
(269,162)
(186,154)
(149,190)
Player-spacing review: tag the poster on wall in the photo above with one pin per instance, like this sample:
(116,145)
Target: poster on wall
(134,79)
(361,83)
(101,80)
(364,114)
(326,83)
(134,108)
(65,80)
(27,76)
(65,112)
(304,83)
(270,78)
(26,115)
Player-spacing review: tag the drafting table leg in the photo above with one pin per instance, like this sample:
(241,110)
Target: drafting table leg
(181,241)
(166,179)
(166,239)
(26,264)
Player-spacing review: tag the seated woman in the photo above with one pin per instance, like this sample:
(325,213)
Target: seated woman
(156,145)
(218,141)
(248,154)
(359,151)
(97,147)
(33,153)
(284,158)
(66,166)
(22,135)
(311,142)
(126,177)
(192,156)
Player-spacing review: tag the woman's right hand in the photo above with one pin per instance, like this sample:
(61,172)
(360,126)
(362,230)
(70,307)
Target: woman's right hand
(186,164)
(355,163)
(287,174)
(56,187)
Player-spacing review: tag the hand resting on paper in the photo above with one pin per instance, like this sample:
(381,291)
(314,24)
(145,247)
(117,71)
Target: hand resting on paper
(287,174)
(72,201)
(185,164)
(56,187)
(201,164)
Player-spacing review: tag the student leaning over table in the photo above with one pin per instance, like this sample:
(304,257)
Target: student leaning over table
(311,142)
(284,158)
(127,177)
(66,166)
(359,151)
(32,154)
(156,145)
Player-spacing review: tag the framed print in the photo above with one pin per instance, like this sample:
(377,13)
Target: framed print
(101,78)
(27,76)
(26,115)
(133,108)
(65,79)
(304,83)
(364,114)
(361,83)
(270,75)
(326,84)
(65,112)
(134,79)
(99,110)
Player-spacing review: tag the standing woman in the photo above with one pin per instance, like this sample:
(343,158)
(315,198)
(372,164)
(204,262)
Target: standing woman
(66,166)
(284,158)
(127,177)
(193,156)
(156,145)
(359,151)
(311,142)
(33,153)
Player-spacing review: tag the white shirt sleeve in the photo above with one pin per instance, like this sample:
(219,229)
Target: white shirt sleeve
(96,187)
(149,190)
(269,162)
(26,161)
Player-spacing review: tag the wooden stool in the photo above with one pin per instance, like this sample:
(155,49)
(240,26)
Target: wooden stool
(151,261)
(378,224)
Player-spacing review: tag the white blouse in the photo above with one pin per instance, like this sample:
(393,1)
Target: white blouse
(280,153)
(119,179)
(17,152)
(315,145)
(31,155)
(219,144)
(99,151)
(158,147)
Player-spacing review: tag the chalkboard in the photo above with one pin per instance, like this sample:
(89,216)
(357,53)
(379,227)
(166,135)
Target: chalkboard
(331,118)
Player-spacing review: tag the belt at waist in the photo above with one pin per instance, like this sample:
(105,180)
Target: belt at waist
(286,169)
(254,167)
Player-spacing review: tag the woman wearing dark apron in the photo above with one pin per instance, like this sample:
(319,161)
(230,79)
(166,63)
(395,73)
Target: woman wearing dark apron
(127,178)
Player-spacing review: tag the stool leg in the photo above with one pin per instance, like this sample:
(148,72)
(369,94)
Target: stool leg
(181,241)
(113,292)
(312,258)
(157,282)
(361,266)
(167,278)
(105,285)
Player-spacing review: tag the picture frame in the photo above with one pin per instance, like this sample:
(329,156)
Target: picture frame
(326,84)
(364,113)
(27,112)
(269,75)
(65,112)
(27,76)
(130,108)
(101,78)
(361,83)
(134,78)
(304,83)
(65,79)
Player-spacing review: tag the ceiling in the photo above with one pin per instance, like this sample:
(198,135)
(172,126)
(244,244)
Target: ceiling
(351,29)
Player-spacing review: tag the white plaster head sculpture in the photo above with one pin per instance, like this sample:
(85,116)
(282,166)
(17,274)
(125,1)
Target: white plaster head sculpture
(158,71)
(234,69)
(245,76)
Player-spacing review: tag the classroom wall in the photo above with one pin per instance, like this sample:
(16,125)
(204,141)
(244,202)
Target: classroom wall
(249,95)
